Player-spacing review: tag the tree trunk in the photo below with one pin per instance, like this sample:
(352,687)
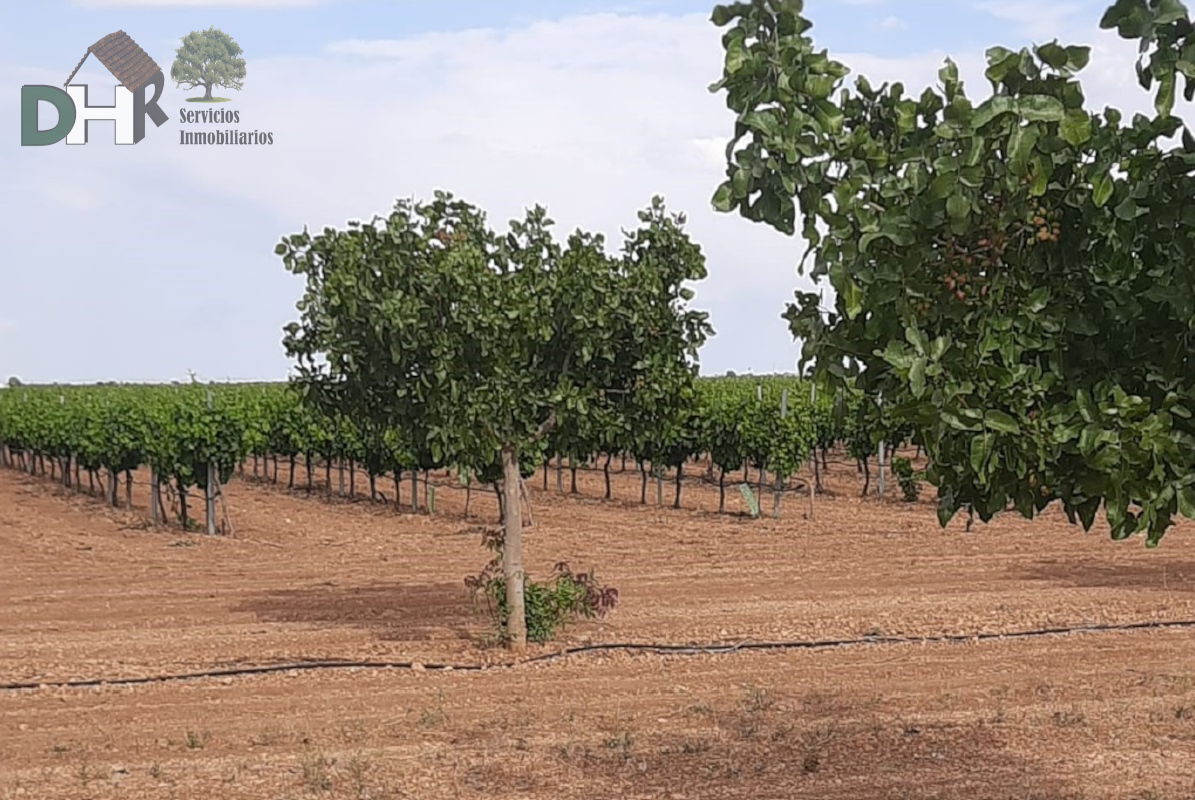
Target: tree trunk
(560,474)
(328,476)
(340,475)
(155,498)
(501,503)
(863,466)
(209,499)
(659,485)
(352,478)
(128,488)
(606,472)
(182,503)
(527,501)
(468,493)
(512,551)
(415,490)
(572,489)
(721,490)
(547,465)
(373,488)
(642,484)
(207,91)
(880,464)
(397,490)
(113,480)
(680,472)
(624,462)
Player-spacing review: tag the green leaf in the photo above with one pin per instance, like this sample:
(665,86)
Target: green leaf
(948,74)
(1020,146)
(1038,299)
(1054,55)
(1000,421)
(1041,108)
(1169,11)
(1076,127)
(1128,209)
(828,115)
(991,109)
(916,337)
(1041,178)
(1164,103)
(1186,502)
(1077,57)
(981,448)
(723,198)
(853,296)
(1001,63)
(958,207)
(740,182)
(943,185)
(917,377)
(1102,188)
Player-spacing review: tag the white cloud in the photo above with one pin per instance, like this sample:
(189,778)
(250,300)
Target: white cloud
(1039,20)
(892,23)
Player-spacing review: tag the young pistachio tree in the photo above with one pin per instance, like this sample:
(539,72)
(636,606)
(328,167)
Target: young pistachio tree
(478,344)
(1012,274)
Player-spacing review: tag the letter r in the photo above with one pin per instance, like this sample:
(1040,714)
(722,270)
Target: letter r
(141,108)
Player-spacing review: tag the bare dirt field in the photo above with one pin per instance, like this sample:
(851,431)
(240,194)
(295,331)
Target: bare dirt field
(88,592)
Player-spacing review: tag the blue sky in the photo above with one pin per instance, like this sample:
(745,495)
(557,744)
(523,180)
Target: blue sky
(144,262)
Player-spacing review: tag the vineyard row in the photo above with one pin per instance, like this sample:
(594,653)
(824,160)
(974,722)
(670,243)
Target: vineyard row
(196,436)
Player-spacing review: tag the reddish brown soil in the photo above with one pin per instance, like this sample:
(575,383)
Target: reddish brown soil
(90,592)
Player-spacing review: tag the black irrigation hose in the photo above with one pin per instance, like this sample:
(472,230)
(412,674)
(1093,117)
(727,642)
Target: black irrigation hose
(672,649)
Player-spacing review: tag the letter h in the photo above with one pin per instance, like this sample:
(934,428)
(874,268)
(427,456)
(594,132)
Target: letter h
(121,114)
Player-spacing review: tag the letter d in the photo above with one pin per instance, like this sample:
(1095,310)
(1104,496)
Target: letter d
(30,97)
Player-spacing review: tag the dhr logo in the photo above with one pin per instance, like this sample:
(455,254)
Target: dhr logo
(130,65)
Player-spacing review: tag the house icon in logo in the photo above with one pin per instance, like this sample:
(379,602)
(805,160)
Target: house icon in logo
(124,58)
(130,65)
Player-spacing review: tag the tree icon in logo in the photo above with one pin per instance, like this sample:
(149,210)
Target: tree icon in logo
(208,58)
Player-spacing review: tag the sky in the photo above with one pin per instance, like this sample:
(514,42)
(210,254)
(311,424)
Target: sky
(154,261)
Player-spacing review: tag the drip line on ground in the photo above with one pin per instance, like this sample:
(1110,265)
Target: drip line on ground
(657,649)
